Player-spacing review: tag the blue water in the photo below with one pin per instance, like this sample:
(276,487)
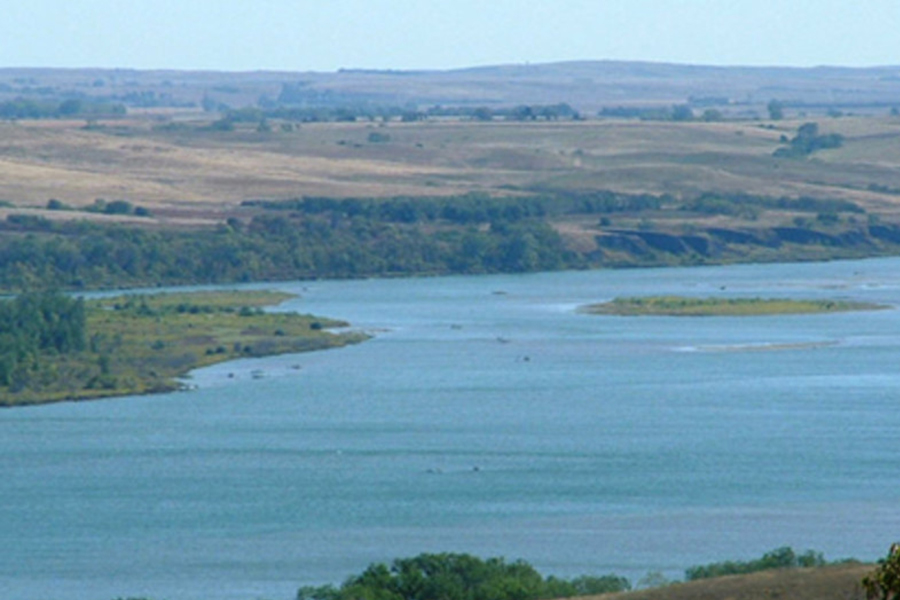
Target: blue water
(486,416)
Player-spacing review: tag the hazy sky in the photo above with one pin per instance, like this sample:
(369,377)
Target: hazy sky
(325,35)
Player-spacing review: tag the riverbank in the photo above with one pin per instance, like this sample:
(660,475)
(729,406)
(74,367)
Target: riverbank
(143,344)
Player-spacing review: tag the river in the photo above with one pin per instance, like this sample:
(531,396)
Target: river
(486,416)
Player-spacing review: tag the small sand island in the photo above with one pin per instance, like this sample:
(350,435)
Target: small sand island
(683,306)
(141,344)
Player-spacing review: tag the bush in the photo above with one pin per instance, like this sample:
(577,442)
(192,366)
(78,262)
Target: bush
(54,204)
(118,207)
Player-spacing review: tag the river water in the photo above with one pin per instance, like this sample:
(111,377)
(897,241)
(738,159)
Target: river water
(486,416)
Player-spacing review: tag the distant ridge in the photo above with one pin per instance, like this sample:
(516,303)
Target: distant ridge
(590,85)
(587,85)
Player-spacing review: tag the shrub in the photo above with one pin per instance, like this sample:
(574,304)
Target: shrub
(54,204)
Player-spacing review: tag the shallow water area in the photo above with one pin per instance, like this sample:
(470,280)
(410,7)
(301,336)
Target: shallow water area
(486,416)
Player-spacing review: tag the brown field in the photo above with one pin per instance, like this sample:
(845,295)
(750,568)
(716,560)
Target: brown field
(197,174)
(824,583)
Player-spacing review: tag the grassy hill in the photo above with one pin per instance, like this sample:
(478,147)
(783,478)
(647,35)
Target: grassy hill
(178,152)
(161,150)
(183,170)
(841,582)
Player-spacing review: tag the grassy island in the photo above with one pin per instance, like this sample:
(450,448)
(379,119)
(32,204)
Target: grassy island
(67,349)
(682,306)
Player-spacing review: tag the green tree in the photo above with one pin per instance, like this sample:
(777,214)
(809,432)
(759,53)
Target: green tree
(208,104)
(682,112)
(808,140)
(224,124)
(884,582)
(377,137)
(523,113)
(776,110)
(70,107)
(483,113)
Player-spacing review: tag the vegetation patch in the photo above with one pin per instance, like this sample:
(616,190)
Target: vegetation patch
(780,573)
(807,141)
(53,347)
(682,306)
(460,577)
(465,577)
(317,237)
(780,558)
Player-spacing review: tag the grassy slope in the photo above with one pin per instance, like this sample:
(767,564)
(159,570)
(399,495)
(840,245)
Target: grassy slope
(825,583)
(191,177)
(178,171)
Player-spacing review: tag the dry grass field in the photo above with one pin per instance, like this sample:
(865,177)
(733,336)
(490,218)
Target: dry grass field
(189,172)
(824,583)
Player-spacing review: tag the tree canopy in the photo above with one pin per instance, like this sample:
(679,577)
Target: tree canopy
(34,324)
(450,576)
(808,140)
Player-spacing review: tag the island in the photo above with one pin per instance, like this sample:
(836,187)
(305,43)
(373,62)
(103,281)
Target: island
(56,347)
(684,306)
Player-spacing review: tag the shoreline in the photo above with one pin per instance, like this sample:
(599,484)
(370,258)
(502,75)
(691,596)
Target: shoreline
(148,344)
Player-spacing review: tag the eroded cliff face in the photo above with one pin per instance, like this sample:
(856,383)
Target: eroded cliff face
(634,247)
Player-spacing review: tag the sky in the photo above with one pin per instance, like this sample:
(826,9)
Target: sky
(327,35)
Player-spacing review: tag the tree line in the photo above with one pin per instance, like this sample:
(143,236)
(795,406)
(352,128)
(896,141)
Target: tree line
(315,237)
(471,208)
(39,253)
(28,108)
(475,208)
(352,112)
